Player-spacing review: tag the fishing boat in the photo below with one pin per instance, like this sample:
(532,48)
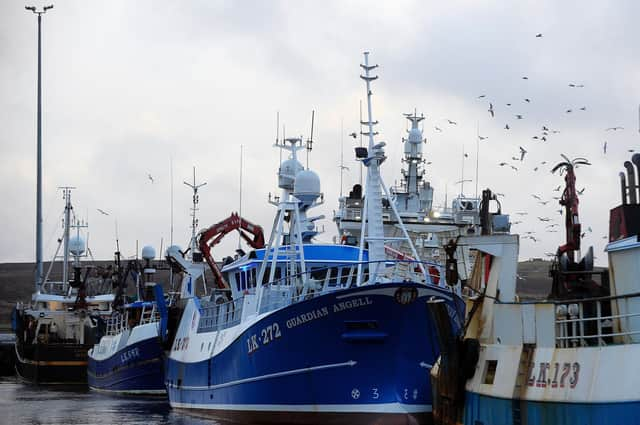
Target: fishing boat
(430,226)
(303,332)
(549,361)
(61,323)
(129,358)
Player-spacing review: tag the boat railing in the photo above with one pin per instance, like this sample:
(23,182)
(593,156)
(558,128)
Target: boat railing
(217,314)
(116,324)
(598,321)
(149,315)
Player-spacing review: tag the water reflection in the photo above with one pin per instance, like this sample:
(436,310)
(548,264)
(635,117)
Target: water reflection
(33,405)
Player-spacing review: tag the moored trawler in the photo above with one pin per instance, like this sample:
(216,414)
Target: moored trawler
(568,360)
(55,331)
(313,333)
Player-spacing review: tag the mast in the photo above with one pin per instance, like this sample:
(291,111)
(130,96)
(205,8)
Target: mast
(193,244)
(39,270)
(66,195)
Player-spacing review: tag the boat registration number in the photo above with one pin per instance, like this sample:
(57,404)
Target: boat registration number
(264,337)
(554,375)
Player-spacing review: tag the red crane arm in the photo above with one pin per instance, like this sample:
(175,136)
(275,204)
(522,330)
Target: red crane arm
(210,237)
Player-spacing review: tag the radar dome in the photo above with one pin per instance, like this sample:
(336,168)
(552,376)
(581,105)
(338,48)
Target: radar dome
(287,173)
(76,245)
(307,186)
(148,253)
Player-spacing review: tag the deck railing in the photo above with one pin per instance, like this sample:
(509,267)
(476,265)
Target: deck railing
(597,321)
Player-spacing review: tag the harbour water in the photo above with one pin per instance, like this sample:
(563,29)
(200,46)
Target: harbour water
(22,404)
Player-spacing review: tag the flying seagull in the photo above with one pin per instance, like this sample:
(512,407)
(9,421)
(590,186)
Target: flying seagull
(537,197)
(525,78)
(527,100)
(539,35)
(506,127)
(452,122)
(491,109)
(482,137)
(614,128)
(519,117)
(482,96)
(354,135)
(102,212)
(523,152)
(438,129)
(584,108)
(604,147)
(150,178)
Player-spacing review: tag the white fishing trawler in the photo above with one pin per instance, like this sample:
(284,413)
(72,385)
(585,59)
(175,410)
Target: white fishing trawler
(568,360)
(429,226)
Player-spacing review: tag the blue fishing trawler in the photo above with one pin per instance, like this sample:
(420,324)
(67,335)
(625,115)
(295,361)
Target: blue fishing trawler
(299,332)
(570,359)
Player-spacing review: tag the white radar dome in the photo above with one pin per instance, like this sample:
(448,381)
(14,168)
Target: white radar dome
(287,173)
(76,245)
(307,186)
(148,253)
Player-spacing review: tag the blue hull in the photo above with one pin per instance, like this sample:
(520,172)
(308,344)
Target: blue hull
(485,410)
(136,369)
(348,354)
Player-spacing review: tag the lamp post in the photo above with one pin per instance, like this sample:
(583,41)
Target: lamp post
(39,275)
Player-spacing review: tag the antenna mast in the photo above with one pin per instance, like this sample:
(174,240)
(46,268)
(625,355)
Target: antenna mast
(477,154)
(310,139)
(240,207)
(194,220)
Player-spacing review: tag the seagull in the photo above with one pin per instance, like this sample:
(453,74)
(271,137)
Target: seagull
(527,100)
(589,229)
(452,122)
(537,197)
(482,137)
(544,128)
(522,213)
(544,219)
(102,212)
(499,194)
(543,202)
(150,178)
(535,137)
(631,150)
(491,109)
(604,147)
(543,162)
(514,168)
(555,131)
(581,191)
(571,85)
(516,222)
(482,96)
(614,128)
(523,152)
(502,164)
(438,129)
(515,158)
(557,189)
(508,104)
(559,211)
(535,169)
(519,117)
(552,225)
(466,155)
(539,35)
(568,111)
(354,135)
(525,78)
(543,138)
(584,108)
(506,127)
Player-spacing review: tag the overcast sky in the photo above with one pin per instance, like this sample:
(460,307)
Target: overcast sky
(129,87)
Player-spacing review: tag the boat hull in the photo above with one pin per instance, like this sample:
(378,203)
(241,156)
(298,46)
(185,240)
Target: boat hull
(64,364)
(486,410)
(359,355)
(136,369)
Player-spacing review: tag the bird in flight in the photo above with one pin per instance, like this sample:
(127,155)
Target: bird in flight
(576,85)
(523,152)
(354,135)
(482,137)
(581,191)
(584,108)
(438,129)
(150,178)
(502,164)
(568,111)
(491,109)
(557,189)
(543,162)
(506,127)
(482,96)
(102,212)
(508,104)
(543,202)
(527,100)
(539,35)
(519,117)
(544,219)
(452,122)
(536,196)
(525,78)
(604,147)
(544,128)
(514,168)
(522,213)
(614,128)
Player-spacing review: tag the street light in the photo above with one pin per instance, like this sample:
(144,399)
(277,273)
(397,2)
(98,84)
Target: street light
(39,275)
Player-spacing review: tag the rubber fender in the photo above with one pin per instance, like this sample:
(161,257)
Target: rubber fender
(470,356)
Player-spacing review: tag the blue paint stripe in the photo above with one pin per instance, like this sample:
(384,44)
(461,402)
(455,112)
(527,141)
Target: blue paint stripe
(485,410)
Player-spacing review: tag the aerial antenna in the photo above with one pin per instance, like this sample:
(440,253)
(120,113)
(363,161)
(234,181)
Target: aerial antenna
(310,139)
(477,154)
(462,174)
(240,207)
(342,167)
(360,140)
(171,196)
(117,240)
(194,220)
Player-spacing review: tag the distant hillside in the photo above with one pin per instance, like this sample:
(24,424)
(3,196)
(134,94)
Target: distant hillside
(16,282)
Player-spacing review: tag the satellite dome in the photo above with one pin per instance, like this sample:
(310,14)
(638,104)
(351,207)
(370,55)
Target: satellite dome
(307,186)
(287,173)
(415,135)
(148,253)
(76,245)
